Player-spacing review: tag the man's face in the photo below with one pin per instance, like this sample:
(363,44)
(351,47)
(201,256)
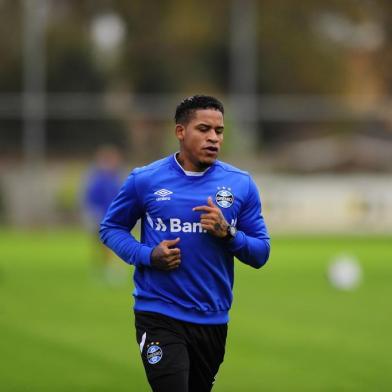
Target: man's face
(201,139)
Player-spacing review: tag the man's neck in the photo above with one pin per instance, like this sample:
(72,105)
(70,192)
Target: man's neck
(188,166)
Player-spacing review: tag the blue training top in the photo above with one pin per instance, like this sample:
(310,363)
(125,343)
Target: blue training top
(163,195)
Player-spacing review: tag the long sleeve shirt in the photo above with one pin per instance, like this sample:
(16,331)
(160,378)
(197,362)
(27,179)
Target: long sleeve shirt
(163,196)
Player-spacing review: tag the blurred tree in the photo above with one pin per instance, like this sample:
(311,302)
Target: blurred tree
(292,58)
(175,46)
(10,47)
(73,68)
(317,47)
(10,70)
(307,47)
(383,58)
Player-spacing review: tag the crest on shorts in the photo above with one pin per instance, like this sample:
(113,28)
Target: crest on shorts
(154,353)
(224,198)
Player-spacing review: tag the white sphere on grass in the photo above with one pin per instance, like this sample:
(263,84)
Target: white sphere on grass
(344,272)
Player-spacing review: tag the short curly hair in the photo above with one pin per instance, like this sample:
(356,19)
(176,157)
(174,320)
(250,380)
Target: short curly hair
(188,106)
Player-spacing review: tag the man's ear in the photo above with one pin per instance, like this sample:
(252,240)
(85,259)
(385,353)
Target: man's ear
(180,132)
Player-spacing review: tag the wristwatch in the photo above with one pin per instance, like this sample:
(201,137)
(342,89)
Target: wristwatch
(231,232)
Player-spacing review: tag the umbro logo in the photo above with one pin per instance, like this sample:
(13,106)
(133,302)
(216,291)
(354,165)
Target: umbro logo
(163,194)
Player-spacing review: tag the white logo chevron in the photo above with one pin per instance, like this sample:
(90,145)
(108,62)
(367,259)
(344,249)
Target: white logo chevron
(149,220)
(160,225)
(163,192)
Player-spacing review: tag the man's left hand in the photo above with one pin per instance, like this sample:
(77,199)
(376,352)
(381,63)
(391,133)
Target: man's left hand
(213,220)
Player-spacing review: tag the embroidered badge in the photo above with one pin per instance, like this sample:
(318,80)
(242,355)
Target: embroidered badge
(154,353)
(224,198)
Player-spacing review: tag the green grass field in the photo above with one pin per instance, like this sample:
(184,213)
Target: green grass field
(61,330)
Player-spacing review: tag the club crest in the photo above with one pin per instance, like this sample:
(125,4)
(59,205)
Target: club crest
(154,353)
(224,198)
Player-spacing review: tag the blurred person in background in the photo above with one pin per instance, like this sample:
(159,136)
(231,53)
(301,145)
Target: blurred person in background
(197,214)
(102,183)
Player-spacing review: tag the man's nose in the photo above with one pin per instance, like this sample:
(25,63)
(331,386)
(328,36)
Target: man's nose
(213,136)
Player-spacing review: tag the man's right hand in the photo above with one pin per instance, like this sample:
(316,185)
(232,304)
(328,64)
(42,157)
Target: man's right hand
(165,256)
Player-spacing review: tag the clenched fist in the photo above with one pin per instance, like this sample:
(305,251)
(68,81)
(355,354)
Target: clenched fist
(166,256)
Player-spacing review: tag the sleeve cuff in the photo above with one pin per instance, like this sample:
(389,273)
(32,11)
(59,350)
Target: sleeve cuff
(144,256)
(238,242)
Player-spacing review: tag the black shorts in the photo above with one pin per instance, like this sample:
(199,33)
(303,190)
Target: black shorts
(179,356)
